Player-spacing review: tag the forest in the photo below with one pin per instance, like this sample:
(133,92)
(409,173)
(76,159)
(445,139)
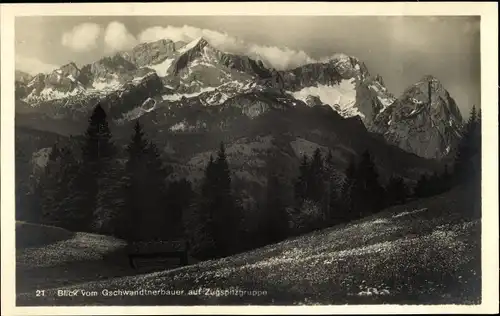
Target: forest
(95,190)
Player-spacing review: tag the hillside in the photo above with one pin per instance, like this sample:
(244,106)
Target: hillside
(48,256)
(419,252)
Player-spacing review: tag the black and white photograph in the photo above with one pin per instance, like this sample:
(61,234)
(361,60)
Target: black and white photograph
(236,160)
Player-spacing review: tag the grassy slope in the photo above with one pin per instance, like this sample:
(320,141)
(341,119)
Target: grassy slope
(415,253)
(60,257)
(35,235)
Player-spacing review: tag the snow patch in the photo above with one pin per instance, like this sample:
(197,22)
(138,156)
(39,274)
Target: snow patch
(178,96)
(139,79)
(190,45)
(413,112)
(179,127)
(32,82)
(102,84)
(415,101)
(343,95)
(162,68)
(51,94)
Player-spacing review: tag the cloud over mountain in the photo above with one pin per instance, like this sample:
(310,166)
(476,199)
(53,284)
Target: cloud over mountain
(82,37)
(277,57)
(117,37)
(32,65)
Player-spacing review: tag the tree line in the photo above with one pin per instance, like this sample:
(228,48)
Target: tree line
(93,189)
(99,191)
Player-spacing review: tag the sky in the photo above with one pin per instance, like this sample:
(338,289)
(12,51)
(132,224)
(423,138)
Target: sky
(402,49)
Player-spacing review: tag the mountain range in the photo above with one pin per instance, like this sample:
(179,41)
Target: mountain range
(190,96)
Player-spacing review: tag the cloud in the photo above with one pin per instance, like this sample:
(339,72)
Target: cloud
(117,37)
(277,57)
(82,37)
(32,65)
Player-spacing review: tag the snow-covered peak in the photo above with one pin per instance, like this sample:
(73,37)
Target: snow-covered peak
(200,41)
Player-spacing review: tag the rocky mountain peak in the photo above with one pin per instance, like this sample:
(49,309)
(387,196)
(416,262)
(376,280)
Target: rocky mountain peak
(424,120)
(378,78)
(113,64)
(70,69)
(201,42)
(152,52)
(348,66)
(429,91)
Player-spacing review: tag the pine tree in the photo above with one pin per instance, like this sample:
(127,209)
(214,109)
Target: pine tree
(27,202)
(198,220)
(110,201)
(159,214)
(134,186)
(96,171)
(434,184)
(445,181)
(316,178)
(275,219)
(214,220)
(347,192)
(468,148)
(49,185)
(146,212)
(56,190)
(225,217)
(328,179)
(397,191)
(67,210)
(333,207)
(365,195)
(179,197)
(302,181)
(422,187)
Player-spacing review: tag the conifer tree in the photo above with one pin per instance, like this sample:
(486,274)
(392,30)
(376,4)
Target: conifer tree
(135,173)
(328,177)
(302,181)
(213,222)
(275,221)
(67,210)
(146,211)
(316,178)
(56,190)
(225,217)
(179,197)
(347,192)
(28,197)
(422,187)
(97,171)
(199,218)
(48,186)
(366,195)
(159,215)
(445,181)
(468,149)
(333,207)
(397,191)
(434,184)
